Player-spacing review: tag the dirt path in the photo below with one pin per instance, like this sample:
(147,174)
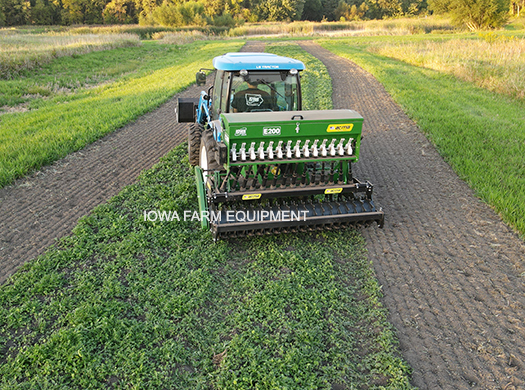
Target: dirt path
(46,205)
(449,267)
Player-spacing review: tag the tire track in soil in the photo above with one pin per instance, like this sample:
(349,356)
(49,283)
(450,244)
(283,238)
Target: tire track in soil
(449,267)
(47,205)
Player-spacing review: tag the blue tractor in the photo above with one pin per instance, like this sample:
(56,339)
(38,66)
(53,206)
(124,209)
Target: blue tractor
(262,164)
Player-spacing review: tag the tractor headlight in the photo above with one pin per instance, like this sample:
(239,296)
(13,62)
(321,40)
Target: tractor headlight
(243,73)
(293,71)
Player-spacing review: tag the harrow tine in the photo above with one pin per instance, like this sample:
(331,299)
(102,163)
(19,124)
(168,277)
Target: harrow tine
(265,177)
(294,175)
(274,181)
(331,177)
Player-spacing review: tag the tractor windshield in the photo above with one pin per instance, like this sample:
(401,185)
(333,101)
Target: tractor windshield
(264,91)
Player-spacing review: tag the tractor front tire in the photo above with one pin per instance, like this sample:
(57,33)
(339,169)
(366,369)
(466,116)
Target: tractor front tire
(194,143)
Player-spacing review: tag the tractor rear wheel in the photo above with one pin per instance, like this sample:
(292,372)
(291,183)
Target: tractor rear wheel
(207,153)
(194,143)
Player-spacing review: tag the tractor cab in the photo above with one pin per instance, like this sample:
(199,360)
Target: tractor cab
(253,82)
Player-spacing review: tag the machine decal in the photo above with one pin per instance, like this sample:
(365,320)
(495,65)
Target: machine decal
(251,196)
(241,132)
(333,190)
(276,130)
(340,128)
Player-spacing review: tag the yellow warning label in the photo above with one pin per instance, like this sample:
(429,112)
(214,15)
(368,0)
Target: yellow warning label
(333,190)
(251,196)
(340,128)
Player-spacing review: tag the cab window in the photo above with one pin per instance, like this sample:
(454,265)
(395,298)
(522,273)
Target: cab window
(224,94)
(264,91)
(216,94)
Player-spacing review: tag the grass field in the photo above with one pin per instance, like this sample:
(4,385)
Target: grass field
(128,303)
(69,105)
(22,52)
(494,61)
(480,133)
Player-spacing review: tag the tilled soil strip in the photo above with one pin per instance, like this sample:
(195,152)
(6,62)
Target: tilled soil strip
(47,205)
(450,269)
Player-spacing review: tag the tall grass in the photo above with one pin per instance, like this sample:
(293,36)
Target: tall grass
(401,26)
(144,32)
(180,38)
(23,52)
(494,62)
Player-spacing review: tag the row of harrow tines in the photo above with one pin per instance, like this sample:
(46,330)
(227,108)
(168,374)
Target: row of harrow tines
(285,177)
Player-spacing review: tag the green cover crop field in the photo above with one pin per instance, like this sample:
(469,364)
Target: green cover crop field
(148,305)
(129,303)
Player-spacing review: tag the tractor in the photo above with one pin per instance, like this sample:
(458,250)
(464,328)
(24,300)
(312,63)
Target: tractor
(262,164)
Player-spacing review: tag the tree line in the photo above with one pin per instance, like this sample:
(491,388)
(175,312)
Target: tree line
(197,12)
(487,13)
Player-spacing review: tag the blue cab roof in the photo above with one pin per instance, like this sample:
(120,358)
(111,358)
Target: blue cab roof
(255,61)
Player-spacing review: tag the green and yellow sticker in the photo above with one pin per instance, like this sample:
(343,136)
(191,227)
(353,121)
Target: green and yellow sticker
(251,196)
(340,128)
(333,190)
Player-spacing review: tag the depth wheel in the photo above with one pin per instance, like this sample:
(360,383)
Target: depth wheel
(194,143)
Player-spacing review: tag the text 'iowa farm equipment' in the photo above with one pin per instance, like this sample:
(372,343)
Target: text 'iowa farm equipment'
(262,164)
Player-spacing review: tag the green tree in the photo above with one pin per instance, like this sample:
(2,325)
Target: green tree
(120,12)
(279,10)
(351,12)
(145,10)
(45,12)
(313,10)
(16,12)
(2,15)
(214,7)
(413,7)
(329,7)
(388,8)
(439,6)
(84,11)
(177,15)
(224,20)
(474,14)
